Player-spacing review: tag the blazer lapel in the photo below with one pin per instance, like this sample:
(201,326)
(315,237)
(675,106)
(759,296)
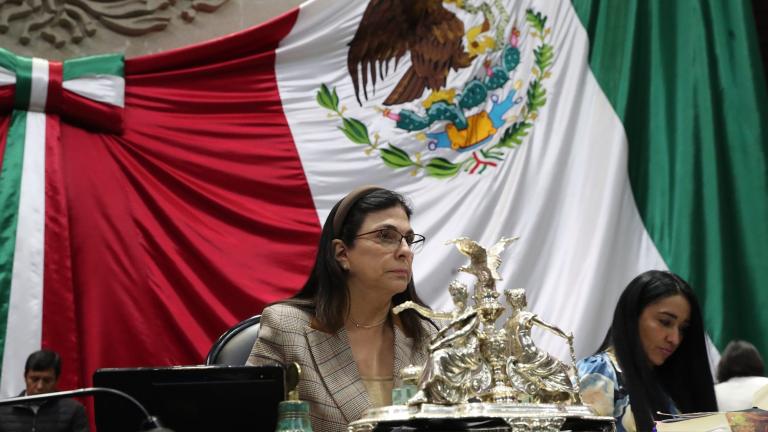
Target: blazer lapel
(333,357)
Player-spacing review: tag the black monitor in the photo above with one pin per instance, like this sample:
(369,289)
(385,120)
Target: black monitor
(192,398)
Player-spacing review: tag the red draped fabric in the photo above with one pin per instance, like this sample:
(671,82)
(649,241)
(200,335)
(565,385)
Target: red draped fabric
(192,219)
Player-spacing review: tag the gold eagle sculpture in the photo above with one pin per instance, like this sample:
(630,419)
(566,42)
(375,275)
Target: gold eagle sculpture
(483,264)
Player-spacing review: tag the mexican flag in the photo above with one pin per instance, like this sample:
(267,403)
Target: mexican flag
(612,137)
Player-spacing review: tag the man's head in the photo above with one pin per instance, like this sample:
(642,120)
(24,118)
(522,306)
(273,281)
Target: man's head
(41,372)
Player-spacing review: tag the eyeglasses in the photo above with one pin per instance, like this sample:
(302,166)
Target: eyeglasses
(391,238)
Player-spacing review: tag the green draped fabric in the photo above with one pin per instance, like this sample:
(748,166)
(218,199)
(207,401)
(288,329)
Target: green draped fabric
(686,79)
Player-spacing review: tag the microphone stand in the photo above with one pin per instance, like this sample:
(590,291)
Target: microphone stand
(150,423)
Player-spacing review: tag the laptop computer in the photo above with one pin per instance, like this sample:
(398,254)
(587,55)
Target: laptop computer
(192,398)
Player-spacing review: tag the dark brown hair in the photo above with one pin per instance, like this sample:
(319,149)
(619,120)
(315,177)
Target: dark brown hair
(740,359)
(43,360)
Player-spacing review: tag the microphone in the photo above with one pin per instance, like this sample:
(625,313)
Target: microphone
(150,423)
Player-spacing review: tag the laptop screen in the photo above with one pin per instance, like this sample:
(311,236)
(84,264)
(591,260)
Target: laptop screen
(192,398)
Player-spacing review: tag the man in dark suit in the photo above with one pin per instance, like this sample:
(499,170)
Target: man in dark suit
(41,375)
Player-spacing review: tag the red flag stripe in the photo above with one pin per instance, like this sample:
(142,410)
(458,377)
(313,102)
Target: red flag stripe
(58,291)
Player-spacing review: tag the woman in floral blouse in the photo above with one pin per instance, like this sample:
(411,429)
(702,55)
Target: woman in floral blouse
(654,358)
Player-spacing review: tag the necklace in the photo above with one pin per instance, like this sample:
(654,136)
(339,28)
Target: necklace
(368,326)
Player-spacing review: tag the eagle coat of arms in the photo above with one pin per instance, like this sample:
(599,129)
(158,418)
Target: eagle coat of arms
(462,103)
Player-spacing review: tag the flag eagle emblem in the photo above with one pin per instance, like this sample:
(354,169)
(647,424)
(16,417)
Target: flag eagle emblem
(463,103)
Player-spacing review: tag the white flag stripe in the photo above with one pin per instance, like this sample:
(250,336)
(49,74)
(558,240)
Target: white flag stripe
(25,312)
(38,95)
(565,190)
(7,77)
(109,89)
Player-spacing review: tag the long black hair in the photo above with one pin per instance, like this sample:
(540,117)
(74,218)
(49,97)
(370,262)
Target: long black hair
(685,376)
(325,293)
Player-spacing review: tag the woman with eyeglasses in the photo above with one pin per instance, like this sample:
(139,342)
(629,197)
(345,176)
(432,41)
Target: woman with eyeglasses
(339,327)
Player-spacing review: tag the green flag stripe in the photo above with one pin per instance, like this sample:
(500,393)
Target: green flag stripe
(10,180)
(7,60)
(685,78)
(23,90)
(107,64)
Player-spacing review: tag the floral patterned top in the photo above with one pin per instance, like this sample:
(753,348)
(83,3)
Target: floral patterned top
(602,389)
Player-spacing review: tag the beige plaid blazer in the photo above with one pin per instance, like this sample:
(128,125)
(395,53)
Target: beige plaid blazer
(330,381)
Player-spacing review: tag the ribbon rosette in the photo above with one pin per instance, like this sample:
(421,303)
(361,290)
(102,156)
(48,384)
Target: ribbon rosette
(34,227)
(88,91)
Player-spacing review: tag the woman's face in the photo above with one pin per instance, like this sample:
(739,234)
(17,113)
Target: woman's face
(375,263)
(662,326)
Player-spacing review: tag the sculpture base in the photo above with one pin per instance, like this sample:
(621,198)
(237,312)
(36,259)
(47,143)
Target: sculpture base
(483,417)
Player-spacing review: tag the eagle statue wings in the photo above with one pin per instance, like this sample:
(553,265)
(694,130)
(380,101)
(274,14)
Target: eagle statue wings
(389,29)
(482,262)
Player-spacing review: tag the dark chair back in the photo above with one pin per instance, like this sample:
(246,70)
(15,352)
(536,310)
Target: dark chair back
(234,346)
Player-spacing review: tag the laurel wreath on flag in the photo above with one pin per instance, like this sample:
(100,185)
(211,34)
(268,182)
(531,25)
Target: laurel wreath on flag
(479,160)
